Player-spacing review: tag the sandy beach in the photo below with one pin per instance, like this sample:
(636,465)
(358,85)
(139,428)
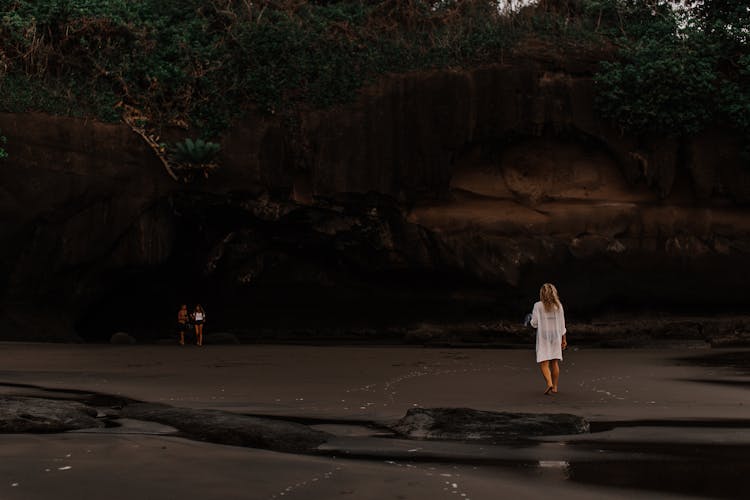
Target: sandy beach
(659,418)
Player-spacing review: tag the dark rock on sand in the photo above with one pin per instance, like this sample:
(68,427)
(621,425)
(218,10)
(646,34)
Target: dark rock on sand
(230,428)
(734,334)
(468,424)
(121,338)
(730,340)
(36,415)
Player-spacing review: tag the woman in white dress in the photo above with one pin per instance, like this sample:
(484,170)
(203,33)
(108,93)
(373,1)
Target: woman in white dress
(548,318)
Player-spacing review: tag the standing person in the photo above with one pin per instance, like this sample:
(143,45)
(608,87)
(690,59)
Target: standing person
(548,318)
(182,322)
(199,317)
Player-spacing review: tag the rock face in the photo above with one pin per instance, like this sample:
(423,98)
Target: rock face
(434,195)
(468,424)
(81,203)
(36,415)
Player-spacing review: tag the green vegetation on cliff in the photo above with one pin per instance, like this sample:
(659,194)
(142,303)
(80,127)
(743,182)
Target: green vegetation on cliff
(199,63)
(677,71)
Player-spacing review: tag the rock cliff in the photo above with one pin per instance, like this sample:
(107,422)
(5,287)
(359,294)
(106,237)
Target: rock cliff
(439,195)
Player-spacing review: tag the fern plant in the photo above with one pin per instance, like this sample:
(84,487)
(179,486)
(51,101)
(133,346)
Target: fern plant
(198,152)
(190,158)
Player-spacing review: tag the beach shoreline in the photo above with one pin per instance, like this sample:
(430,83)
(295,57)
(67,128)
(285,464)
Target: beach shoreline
(668,400)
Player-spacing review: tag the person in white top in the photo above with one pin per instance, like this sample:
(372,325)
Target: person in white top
(548,318)
(199,317)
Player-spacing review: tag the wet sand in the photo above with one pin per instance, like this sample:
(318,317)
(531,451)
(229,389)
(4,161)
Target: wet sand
(656,399)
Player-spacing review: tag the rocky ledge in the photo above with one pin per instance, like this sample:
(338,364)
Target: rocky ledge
(38,415)
(22,414)
(468,424)
(231,428)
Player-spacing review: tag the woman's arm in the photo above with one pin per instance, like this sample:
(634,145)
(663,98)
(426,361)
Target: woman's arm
(535,315)
(564,328)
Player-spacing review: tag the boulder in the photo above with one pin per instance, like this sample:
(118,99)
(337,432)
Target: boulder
(424,333)
(121,338)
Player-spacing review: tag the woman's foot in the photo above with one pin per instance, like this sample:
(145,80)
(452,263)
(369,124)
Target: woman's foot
(548,391)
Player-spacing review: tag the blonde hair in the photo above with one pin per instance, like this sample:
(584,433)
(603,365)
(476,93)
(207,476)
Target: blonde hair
(549,298)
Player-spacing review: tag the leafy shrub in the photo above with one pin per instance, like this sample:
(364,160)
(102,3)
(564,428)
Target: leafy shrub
(3,153)
(659,86)
(675,73)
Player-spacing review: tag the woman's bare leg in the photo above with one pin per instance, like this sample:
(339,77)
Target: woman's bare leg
(200,334)
(544,365)
(555,369)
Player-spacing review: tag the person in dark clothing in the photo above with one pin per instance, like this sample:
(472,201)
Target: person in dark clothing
(182,322)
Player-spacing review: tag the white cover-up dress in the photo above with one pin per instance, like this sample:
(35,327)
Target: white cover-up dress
(550,328)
